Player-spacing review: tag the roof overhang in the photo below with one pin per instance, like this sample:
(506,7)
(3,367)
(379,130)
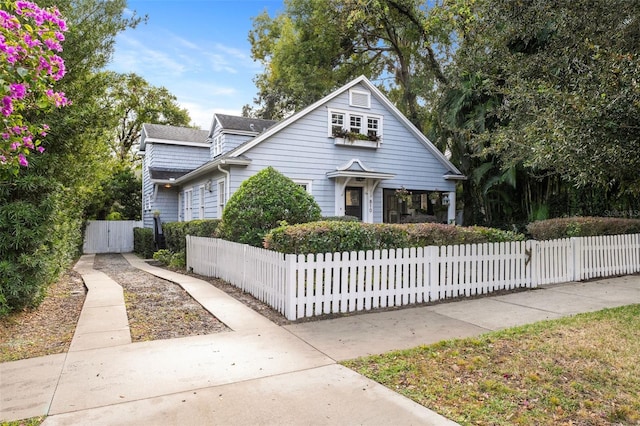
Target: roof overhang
(360,174)
(213,166)
(454,177)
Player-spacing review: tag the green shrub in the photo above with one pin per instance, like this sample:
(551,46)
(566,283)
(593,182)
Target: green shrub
(178,260)
(175,232)
(40,236)
(163,256)
(327,236)
(345,218)
(261,203)
(582,227)
(143,244)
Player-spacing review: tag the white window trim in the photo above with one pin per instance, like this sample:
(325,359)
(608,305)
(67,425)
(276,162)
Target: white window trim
(217,145)
(222,202)
(366,93)
(364,127)
(147,202)
(188,205)
(201,204)
(307,183)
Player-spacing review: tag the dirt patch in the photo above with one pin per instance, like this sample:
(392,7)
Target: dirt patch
(48,329)
(157,308)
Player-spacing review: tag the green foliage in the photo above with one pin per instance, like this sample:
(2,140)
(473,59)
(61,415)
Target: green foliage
(329,237)
(143,243)
(39,237)
(163,256)
(345,218)
(261,203)
(175,232)
(582,227)
(41,208)
(118,195)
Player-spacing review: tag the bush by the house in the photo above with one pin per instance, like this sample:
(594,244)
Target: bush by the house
(172,260)
(175,232)
(582,227)
(345,218)
(143,242)
(261,203)
(328,237)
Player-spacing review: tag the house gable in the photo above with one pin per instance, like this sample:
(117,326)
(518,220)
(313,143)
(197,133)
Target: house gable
(360,86)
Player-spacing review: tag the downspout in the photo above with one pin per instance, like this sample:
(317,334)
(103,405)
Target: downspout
(227,184)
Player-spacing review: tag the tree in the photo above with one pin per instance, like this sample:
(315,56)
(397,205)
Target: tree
(316,45)
(567,74)
(132,101)
(42,206)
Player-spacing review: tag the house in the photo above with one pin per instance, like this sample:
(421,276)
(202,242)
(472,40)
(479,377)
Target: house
(353,150)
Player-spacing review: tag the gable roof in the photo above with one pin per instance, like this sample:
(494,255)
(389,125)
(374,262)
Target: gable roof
(162,132)
(453,172)
(243,124)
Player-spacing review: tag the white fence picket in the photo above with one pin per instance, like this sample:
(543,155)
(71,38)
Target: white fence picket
(310,285)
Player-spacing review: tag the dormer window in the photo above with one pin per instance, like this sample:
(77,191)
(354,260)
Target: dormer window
(217,145)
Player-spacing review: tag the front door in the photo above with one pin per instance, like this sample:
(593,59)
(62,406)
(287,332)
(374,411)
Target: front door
(353,201)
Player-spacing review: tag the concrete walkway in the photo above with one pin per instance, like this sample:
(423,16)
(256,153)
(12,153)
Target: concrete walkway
(259,373)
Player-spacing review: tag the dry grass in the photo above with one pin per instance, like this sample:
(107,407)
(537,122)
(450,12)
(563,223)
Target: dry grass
(48,329)
(582,370)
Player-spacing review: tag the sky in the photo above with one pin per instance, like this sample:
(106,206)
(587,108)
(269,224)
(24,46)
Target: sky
(198,49)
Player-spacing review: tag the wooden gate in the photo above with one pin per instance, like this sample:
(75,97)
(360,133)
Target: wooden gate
(109,236)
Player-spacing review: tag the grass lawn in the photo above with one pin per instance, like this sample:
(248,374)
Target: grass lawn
(582,370)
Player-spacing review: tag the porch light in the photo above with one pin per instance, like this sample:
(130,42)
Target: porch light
(445,199)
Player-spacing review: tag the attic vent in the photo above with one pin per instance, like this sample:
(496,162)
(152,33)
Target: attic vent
(360,99)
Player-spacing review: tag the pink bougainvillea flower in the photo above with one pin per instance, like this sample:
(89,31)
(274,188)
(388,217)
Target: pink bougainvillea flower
(7,106)
(40,149)
(22,160)
(17,90)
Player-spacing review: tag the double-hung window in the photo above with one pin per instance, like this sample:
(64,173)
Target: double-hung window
(188,205)
(362,129)
(222,197)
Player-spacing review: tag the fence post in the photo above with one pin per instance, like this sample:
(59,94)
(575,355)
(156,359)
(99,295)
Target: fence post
(188,251)
(290,287)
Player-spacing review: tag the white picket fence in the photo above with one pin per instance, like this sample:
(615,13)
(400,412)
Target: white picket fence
(308,285)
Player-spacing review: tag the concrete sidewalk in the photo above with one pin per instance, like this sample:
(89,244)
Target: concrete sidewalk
(261,373)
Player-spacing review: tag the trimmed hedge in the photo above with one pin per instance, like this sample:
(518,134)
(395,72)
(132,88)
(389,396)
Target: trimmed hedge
(582,227)
(261,203)
(143,242)
(175,232)
(330,236)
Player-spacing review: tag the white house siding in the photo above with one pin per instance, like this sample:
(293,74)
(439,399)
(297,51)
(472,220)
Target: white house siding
(304,151)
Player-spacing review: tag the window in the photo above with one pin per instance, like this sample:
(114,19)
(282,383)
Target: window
(222,197)
(304,183)
(147,202)
(355,124)
(337,122)
(188,205)
(372,126)
(217,145)
(340,123)
(201,205)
